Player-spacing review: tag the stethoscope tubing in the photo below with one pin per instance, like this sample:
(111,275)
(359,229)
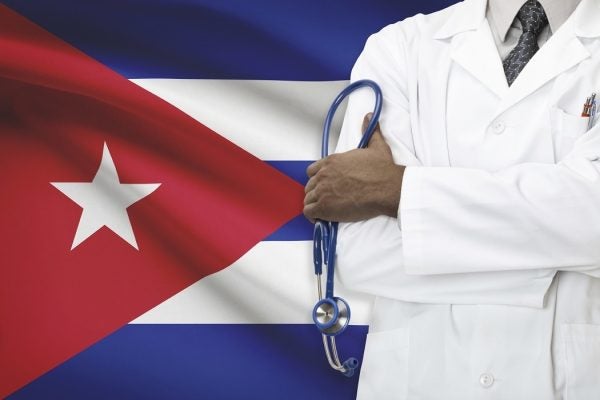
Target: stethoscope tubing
(332,314)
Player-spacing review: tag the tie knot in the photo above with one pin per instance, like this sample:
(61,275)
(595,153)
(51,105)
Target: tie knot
(532,17)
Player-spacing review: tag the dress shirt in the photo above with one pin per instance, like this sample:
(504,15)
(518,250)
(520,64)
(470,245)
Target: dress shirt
(506,28)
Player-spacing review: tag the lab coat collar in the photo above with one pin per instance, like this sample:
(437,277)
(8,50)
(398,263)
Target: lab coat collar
(586,16)
(562,51)
(466,16)
(473,48)
(469,14)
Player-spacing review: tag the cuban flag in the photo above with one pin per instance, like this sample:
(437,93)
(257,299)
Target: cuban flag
(152,158)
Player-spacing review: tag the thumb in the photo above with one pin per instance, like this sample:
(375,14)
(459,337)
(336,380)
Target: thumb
(366,121)
(377,141)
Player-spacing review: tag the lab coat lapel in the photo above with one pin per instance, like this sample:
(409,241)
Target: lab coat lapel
(472,45)
(562,51)
(476,52)
(434,149)
(473,48)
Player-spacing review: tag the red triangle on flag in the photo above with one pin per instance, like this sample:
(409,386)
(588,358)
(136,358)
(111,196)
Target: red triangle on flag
(58,107)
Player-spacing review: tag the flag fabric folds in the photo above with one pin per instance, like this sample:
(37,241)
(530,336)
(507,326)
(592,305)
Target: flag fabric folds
(214,202)
(152,158)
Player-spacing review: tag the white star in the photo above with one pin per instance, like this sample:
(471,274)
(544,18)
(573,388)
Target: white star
(104,201)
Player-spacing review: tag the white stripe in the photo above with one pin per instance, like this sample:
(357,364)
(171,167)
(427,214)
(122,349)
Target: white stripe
(273,120)
(273,283)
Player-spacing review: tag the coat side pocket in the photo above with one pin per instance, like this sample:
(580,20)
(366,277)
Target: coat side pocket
(384,372)
(582,357)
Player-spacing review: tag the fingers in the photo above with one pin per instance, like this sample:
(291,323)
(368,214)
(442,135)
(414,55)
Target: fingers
(314,168)
(310,185)
(309,212)
(312,202)
(311,199)
(310,196)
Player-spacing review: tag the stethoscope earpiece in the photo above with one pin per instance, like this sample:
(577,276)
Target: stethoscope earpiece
(332,314)
(350,365)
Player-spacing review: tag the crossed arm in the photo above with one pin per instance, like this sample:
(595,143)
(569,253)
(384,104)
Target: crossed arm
(530,216)
(454,220)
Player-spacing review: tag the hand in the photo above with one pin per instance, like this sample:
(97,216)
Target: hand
(356,185)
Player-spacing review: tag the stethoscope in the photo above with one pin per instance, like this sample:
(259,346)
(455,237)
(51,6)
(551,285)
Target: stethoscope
(332,314)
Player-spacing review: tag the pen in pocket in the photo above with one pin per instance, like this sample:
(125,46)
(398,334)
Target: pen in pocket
(589,110)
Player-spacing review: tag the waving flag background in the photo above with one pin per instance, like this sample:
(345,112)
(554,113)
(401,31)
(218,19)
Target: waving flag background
(219,293)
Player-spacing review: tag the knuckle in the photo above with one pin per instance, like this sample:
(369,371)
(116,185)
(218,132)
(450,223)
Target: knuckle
(316,191)
(318,180)
(326,172)
(312,169)
(311,212)
(332,159)
(309,185)
(307,199)
(323,203)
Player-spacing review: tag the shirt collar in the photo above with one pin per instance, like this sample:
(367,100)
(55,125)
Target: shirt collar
(503,12)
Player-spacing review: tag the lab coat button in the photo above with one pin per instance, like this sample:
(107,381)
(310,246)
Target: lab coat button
(486,380)
(498,127)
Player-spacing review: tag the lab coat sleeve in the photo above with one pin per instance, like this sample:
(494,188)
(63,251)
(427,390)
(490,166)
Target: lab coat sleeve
(382,61)
(527,217)
(362,265)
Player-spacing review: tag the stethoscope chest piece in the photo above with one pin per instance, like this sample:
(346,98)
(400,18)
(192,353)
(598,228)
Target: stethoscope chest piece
(331,315)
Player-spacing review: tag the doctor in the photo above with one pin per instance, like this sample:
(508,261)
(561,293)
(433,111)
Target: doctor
(474,216)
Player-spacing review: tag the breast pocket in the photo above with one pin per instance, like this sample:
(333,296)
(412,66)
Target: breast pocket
(384,371)
(566,129)
(582,355)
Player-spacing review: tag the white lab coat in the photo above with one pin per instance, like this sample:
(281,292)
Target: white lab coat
(487,285)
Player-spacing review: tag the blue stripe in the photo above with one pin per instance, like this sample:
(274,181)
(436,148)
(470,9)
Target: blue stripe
(294,169)
(203,362)
(298,228)
(234,39)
